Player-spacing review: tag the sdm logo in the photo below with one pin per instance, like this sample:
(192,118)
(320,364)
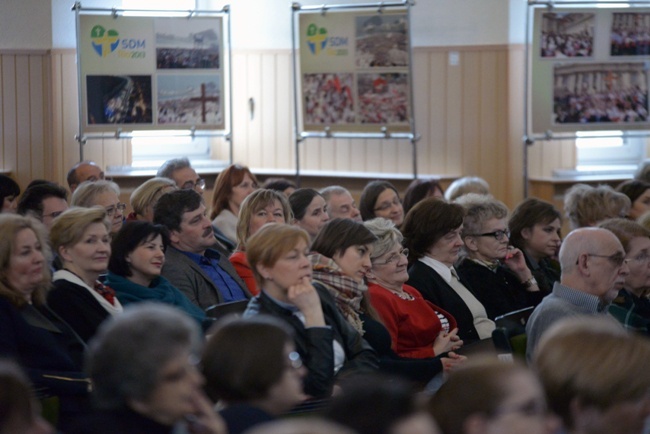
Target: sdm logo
(316,38)
(104,41)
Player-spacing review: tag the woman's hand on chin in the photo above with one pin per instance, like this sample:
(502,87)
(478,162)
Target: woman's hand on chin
(204,420)
(304,296)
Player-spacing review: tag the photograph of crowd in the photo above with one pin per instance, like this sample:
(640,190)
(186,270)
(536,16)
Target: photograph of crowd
(123,99)
(187,44)
(189,100)
(381,41)
(328,99)
(567,35)
(383,98)
(630,34)
(600,93)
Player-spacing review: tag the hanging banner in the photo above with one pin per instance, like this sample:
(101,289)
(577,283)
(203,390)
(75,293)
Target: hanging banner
(354,71)
(140,73)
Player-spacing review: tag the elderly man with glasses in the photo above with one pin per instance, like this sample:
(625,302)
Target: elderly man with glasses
(593,271)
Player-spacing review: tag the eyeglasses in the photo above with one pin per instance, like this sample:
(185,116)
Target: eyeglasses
(395,257)
(54,214)
(110,211)
(617,259)
(496,234)
(295,361)
(189,185)
(388,205)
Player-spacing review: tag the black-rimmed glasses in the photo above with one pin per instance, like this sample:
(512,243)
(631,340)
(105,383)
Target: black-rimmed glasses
(498,235)
(395,257)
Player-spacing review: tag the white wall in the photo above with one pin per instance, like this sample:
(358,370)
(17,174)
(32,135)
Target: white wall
(25,24)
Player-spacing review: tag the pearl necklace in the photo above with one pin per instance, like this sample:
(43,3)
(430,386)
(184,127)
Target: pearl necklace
(402,294)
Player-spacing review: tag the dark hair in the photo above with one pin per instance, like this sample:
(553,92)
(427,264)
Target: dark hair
(131,235)
(527,214)
(420,189)
(278,184)
(427,222)
(339,234)
(300,201)
(633,188)
(172,205)
(32,199)
(16,397)
(230,177)
(369,197)
(244,358)
(8,187)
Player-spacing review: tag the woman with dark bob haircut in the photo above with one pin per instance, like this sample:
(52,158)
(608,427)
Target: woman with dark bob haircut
(420,189)
(432,234)
(252,366)
(639,194)
(381,199)
(9,192)
(134,268)
(309,210)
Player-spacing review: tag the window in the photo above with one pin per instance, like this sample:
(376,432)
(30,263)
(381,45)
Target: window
(608,151)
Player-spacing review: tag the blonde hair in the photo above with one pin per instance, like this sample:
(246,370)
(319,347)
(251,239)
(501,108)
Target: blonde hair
(585,205)
(10,226)
(148,194)
(69,227)
(252,204)
(86,193)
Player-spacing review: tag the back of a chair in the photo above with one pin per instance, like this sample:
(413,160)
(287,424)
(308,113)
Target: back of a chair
(516,320)
(509,336)
(220,310)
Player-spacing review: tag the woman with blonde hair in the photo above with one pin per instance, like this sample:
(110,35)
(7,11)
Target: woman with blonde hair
(145,197)
(101,193)
(233,185)
(585,205)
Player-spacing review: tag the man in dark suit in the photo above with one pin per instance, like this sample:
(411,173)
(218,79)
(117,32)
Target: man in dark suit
(195,262)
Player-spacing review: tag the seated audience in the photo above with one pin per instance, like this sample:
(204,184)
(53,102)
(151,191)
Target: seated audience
(181,172)
(328,345)
(585,205)
(595,376)
(84,171)
(639,194)
(340,203)
(144,198)
(45,202)
(465,185)
(81,239)
(36,338)
(143,365)
(489,396)
(420,189)
(251,366)
(535,228)
(309,210)
(282,185)
(138,255)
(381,199)
(496,272)
(632,306)
(233,185)
(432,234)
(261,207)
(101,193)
(9,192)
(194,262)
(593,272)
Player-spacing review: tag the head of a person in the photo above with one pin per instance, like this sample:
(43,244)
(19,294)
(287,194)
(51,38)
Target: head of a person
(395,407)
(253,360)
(487,395)
(144,198)
(643,171)
(433,228)
(465,185)
(636,242)
(420,189)
(340,203)
(181,172)
(595,375)
(259,208)
(146,360)
(101,193)
(585,205)
(9,192)
(639,194)
(19,410)
(138,251)
(81,238)
(535,227)
(184,215)
(301,425)
(593,261)
(24,260)
(282,185)
(485,227)
(232,186)
(381,199)
(389,259)
(277,254)
(44,202)
(309,210)
(349,244)
(82,172)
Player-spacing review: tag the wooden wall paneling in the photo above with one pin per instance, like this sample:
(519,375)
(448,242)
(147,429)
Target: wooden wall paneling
(476,161)
(70,107)
(341,149)
(568,154)
(57,109)
(37,157)
(420,81)
(489,103)
(45,104)
(437,155)
(268,108)
(9,116)
(455,117)
(373,155)
(240,113)
(513,77)
(254,77)
(284,113)
(358,154)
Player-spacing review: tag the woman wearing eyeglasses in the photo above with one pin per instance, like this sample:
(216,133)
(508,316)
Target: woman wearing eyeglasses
(632,306)
(101,193)
(381,199)
(496,271)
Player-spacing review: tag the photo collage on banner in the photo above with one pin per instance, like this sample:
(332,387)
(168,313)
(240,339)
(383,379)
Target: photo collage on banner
(151,72)
(590,69)
(354,68)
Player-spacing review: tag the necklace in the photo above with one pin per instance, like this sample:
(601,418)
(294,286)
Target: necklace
(402,294)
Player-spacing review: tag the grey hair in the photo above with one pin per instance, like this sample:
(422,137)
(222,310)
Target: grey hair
(479,209)
(148,193)
(585,205)
(465,185)
(171,166)
(327,192)
(87,191)
(125,357)
(387,235)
